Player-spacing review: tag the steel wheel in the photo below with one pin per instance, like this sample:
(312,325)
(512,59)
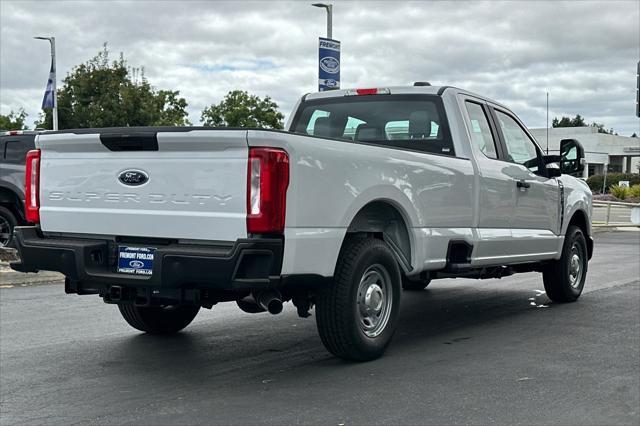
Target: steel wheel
(375,299)
(564,278)
(575,265)
(357,313)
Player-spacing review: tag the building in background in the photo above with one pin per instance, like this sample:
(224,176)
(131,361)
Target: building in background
(620,153)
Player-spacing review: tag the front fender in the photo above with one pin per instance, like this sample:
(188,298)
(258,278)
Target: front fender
(577,197)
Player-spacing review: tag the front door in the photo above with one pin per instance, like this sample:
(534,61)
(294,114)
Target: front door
(535,220)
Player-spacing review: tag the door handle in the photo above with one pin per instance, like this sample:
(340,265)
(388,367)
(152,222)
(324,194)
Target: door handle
(522,184)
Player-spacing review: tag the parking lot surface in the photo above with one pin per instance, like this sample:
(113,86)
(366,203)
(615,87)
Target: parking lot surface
(466,351)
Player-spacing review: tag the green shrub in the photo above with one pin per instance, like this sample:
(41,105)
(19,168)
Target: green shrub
(595,182)
(620,192)
(634,191)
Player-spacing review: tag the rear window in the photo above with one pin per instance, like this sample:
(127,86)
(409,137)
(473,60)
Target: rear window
(15,148)
(414,122)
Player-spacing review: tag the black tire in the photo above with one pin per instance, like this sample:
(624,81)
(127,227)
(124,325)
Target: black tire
(562,281)
(158,320)
(346,331)
(8,221)
(415,285)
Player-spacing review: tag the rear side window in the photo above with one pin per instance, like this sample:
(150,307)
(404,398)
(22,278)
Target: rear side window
(415,122)
(16,148)
(480,130)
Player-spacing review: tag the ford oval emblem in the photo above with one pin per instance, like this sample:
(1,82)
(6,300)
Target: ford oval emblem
(330,65)
(133,177)
(136,264)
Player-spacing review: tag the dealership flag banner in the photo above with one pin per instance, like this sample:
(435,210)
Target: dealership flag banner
(47,101)
(328,64)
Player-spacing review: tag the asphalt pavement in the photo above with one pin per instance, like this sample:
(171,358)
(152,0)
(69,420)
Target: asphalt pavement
(466,351)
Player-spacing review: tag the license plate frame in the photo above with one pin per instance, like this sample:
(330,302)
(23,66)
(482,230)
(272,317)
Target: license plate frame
(134,260)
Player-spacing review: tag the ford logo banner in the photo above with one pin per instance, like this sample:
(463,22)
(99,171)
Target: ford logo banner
(133,177)
(328,64)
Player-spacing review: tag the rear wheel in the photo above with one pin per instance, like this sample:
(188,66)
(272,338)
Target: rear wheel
(158,319)
(357,313)
(8,221)
(564,278)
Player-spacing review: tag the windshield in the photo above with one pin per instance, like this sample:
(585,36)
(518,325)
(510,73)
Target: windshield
(405,121)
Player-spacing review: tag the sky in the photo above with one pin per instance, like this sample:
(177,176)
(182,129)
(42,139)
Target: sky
(584,53)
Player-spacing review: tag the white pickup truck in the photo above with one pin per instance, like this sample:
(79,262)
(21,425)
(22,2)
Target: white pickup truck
(368,191)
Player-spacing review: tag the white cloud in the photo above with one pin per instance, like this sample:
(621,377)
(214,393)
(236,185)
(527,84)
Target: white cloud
(583,53)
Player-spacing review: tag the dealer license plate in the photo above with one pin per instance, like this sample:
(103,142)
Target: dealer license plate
(135,260)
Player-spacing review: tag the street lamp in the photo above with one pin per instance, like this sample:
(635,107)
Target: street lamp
(329,8)
(52,77)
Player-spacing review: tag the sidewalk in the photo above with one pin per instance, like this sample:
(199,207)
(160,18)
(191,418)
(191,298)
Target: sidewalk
(10,278)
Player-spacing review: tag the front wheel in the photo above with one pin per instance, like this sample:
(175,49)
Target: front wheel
(357,313)
(564,278)
(158,319)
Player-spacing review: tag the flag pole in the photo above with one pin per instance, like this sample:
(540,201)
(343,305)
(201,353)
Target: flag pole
(55,90)
(52,78)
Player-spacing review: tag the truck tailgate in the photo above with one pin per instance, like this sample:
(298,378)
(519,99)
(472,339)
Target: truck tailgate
(145,183)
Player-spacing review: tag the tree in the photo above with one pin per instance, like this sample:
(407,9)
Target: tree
(239,109)
(100,93)
(577,121)
(13,120)
(634,135)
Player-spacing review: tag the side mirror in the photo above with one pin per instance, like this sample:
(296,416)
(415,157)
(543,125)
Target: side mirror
(571,157)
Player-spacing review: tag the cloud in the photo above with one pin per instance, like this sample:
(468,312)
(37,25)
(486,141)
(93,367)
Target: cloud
(583,53)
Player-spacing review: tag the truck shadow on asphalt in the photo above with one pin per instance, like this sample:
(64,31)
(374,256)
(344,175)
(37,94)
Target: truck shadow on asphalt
(428,319)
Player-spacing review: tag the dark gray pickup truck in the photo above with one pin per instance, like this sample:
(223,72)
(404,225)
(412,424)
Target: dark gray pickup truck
(14,146)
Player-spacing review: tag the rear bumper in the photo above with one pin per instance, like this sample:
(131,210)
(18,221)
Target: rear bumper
(90,264)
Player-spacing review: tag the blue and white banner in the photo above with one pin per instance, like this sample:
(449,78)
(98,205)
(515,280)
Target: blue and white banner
(328,64)
(47,101)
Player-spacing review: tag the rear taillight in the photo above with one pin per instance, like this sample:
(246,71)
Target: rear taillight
(32,187)
(267,182)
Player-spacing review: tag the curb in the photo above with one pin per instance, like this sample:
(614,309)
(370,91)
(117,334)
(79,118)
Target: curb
(10,278)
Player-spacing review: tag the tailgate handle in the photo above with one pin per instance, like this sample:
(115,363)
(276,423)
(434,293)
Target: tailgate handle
(139,141)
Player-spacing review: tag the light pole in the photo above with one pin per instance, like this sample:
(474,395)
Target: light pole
(52,79)
(329,8)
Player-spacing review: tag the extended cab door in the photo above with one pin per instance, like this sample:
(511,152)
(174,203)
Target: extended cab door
(536,212)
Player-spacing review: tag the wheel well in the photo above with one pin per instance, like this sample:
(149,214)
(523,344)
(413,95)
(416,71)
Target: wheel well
(579,219)
(382,220)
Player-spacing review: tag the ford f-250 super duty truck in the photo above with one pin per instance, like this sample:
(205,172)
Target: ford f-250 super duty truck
(366,192)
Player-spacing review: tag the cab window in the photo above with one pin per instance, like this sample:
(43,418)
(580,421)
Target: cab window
(520,148)
(415,122)
(480,131)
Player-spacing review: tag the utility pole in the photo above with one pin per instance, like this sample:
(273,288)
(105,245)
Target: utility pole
(328,55)
(51,84)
